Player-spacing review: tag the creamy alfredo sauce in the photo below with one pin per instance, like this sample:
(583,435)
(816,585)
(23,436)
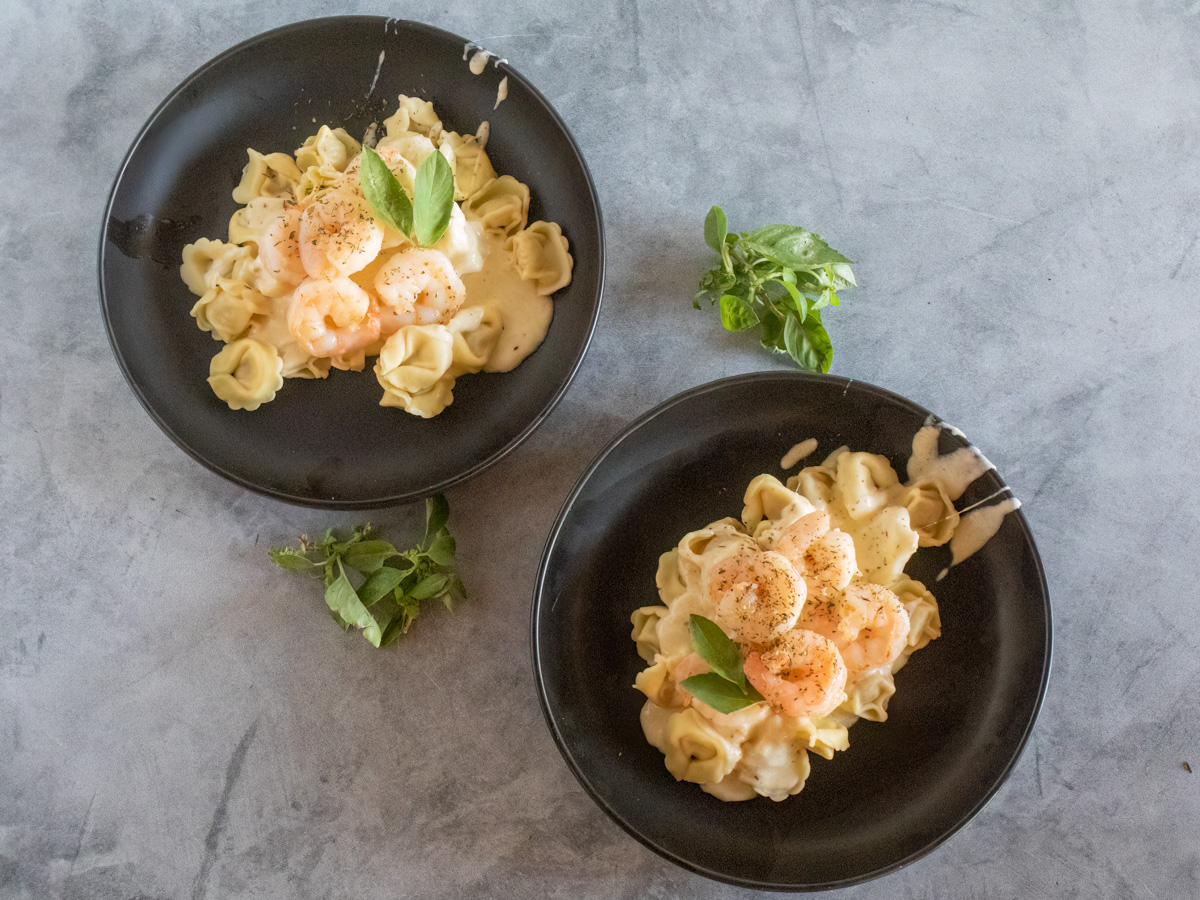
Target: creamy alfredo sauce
(800,451)
(976,528)
(956,471)
(478,62)
(524,313)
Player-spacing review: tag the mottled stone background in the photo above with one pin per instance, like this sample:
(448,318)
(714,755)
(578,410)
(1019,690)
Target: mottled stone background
(1018,183)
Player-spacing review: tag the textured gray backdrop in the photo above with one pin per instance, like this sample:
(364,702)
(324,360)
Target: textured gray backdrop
(1018,182)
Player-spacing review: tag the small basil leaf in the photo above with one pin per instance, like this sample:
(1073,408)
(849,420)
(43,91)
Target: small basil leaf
(433,199)
(799,303)
(384,193)
(292,560)
(723,696)
(429,586)
(736,314)
(717,649)
(367,556)
(441,551)
(342,599)
(772,334)
(715,228)
(437,514)
(379,583)
(808,343)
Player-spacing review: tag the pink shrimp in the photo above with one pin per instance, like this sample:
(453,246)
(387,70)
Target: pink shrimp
(802,674)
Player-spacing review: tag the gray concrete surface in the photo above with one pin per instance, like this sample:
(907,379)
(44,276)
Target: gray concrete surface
(1018,183)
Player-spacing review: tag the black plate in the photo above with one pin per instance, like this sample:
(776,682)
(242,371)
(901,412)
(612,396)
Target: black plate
(964,705)
(329,443)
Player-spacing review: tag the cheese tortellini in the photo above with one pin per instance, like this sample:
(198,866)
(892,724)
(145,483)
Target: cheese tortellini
(810,584)
(310,279)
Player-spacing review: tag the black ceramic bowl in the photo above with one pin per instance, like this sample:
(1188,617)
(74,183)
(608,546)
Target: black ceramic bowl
(964,705)
(329,443)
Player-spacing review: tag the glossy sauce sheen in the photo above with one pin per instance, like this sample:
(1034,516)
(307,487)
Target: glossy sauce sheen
(525,314)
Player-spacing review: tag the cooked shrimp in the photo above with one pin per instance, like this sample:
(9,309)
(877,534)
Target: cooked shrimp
(338,235)
(868,624)
(802,674)
(279,251)
(830,563)
(758,594)
(418,286)
(332,318)
(797,537)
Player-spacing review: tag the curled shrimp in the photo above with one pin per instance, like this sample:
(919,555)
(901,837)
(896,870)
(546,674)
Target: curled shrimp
(418,286)
(794,540)
(332,318)
(868,623)
(802,674)
(279,251)
(758,594)
(338,235)
(824,556)
(830,563)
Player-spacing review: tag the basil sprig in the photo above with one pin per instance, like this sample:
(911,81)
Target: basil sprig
(779,277)
(383,192)
(427,216)
(392,582)
(725,688)
(433,199)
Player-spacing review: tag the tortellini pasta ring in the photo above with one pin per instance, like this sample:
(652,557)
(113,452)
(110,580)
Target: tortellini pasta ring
(540,254)
(502,205)
(696,751)
(246,374)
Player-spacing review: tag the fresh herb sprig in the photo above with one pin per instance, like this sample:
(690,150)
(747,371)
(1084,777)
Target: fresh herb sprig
(779,277)
(725,688)
(426,217)
(393,582)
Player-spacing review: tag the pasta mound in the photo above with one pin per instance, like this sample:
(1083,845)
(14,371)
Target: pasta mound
(823,656)
(310,279)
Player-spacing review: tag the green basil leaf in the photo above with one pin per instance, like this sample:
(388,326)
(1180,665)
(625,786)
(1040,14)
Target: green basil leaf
(715,228)
(772,334)
(437,514)
(429,586)
(292,560)
(367,556)
(840,275)
(723,696)
(379,584)
(433,199)
(717,649)
(799,302)
(441,551)
(792,246)
(736,314)
(387,198)
(342,599)
(808,343)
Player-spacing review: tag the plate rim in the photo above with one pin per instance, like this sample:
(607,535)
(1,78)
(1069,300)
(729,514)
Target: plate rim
(539,593)
(389,24)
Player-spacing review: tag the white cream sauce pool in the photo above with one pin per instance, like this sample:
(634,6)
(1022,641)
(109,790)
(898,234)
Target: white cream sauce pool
(524,313)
